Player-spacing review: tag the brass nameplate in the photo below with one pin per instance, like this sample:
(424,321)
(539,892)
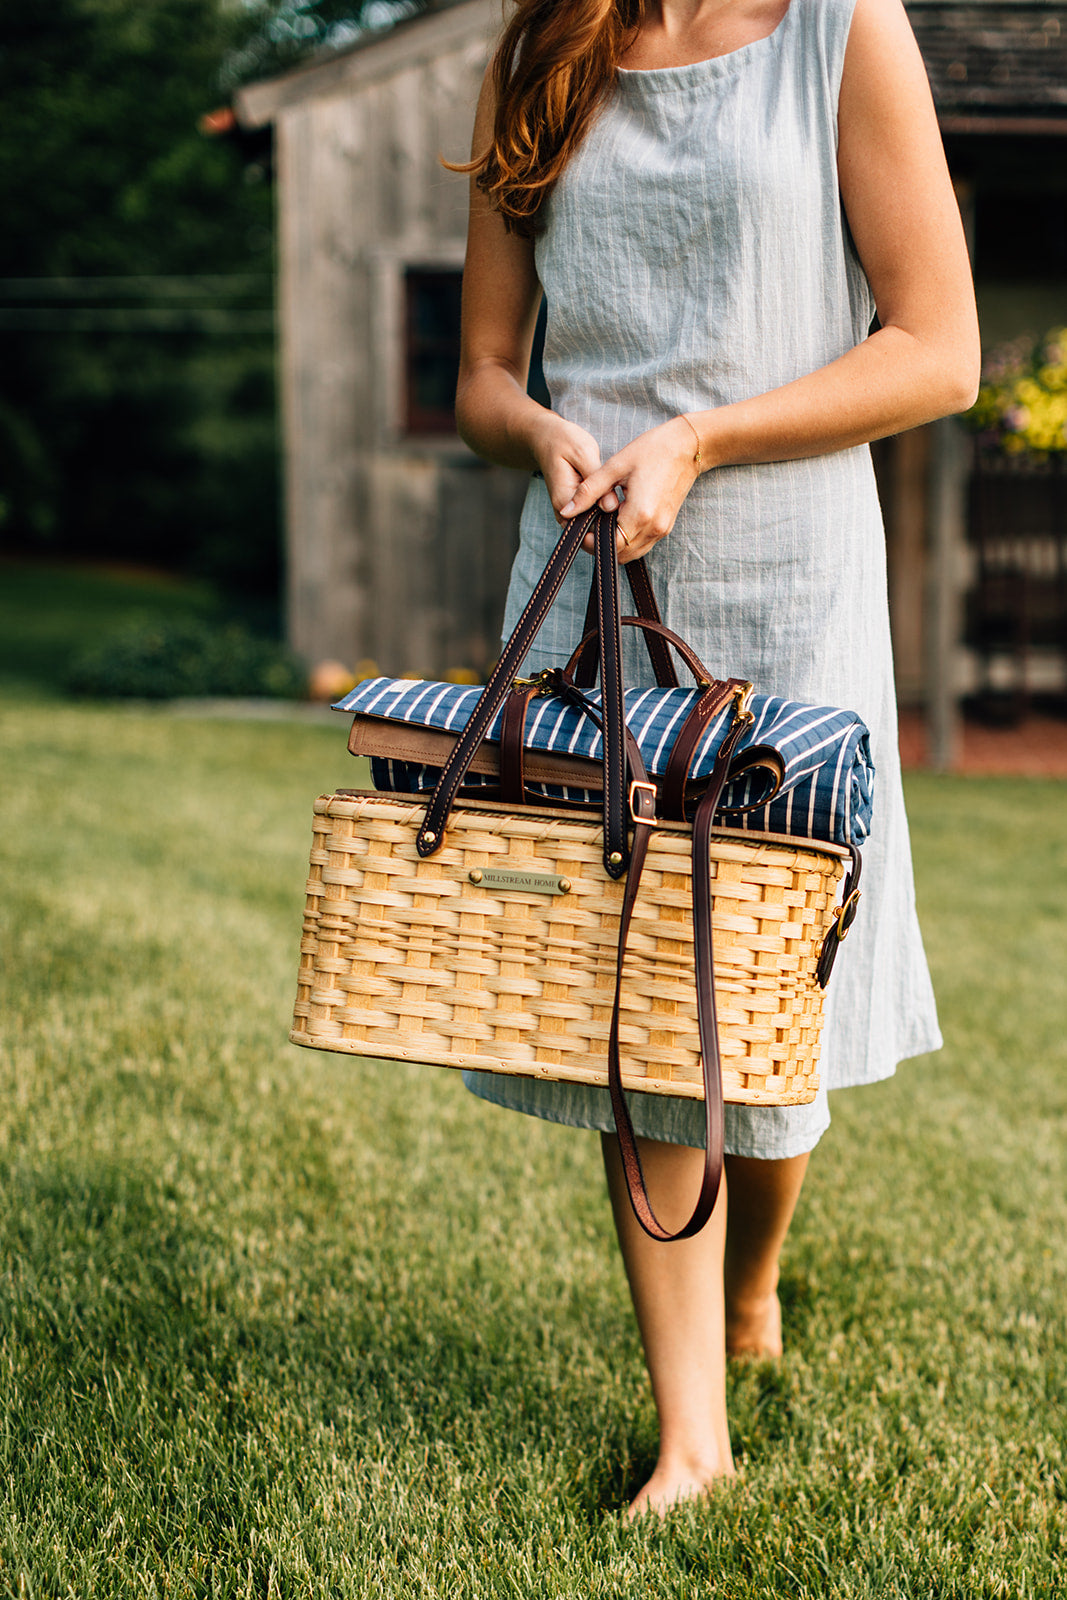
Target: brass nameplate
(518,882)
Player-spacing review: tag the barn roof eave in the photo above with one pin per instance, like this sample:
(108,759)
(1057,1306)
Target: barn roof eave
(447,23)
(988,59)
(994,61)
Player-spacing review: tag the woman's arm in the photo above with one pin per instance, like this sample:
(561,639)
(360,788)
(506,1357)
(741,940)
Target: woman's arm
(501,295)
(923,360)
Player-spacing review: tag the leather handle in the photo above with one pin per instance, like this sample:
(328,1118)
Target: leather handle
(431,834)
(602,524)
(659,629)
(606,572)
(644,598)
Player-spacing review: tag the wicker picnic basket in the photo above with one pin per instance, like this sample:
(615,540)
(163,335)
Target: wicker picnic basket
(543,941)
(499,952)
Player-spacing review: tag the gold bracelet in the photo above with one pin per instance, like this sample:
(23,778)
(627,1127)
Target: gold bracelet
(696,436)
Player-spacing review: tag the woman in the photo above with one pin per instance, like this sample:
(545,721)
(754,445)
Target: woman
(716,196)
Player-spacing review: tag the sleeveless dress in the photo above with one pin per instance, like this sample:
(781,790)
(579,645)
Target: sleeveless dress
(696,253)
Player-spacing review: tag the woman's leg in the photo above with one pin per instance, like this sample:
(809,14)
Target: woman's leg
(700,1297)
(763,1197)
(677,1292)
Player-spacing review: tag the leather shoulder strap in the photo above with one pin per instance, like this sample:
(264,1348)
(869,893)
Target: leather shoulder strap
(711,1063)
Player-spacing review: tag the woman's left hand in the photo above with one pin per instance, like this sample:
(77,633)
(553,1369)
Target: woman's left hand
(655,471)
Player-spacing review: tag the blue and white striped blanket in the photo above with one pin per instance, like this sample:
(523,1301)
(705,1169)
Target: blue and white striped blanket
(826,791)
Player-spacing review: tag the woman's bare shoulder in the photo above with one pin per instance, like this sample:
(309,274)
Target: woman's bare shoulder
(897,190)
(882,58)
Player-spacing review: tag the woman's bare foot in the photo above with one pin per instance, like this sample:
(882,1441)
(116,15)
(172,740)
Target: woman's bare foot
(754,1327)
(670,1486)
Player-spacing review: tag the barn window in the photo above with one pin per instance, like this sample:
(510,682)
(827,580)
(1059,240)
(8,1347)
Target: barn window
(431,348)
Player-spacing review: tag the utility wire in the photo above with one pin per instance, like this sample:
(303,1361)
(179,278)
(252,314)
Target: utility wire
(147,319)
(160,286)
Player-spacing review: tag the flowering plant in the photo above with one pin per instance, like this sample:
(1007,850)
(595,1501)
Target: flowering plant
(1021,408)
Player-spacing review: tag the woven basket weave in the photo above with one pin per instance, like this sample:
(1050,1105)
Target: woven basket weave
(409,959)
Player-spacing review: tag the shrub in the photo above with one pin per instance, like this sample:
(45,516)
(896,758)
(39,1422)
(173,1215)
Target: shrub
(1021,408)
(160,660)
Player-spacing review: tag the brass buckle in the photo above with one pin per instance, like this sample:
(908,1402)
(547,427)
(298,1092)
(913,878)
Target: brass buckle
(743,695)
(845,914)
(639,783)
(537,681)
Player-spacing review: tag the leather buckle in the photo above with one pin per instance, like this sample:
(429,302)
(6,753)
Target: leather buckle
(845,914)
(639,783)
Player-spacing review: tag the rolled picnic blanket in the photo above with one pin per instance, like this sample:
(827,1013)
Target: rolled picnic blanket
(827,775)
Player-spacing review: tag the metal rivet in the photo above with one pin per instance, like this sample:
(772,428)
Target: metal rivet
(429,838)
(616,858)
(475,876)
(564,886)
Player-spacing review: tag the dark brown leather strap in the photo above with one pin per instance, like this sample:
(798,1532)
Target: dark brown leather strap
(431,834)
(616,839)
(584,672)
(512,744)
(689,656)
(602,525)
(711,703)
(644,599)
(756,758)
(711,1064)
(844,917)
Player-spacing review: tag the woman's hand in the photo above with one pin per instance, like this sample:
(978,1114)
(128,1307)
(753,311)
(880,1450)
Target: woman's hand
(565,454)
(655,472)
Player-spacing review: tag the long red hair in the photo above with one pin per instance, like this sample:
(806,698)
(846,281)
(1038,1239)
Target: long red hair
(555,63)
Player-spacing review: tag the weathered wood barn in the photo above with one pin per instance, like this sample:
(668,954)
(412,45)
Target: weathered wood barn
(399,540)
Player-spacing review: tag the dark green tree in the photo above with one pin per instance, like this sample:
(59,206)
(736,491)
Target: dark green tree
(283,32)
(103,169)
(136,406)
(136,347)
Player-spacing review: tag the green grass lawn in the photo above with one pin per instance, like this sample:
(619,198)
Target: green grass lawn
(280,1323)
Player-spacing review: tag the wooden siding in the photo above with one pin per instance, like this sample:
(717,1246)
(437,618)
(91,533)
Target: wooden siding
(398,548)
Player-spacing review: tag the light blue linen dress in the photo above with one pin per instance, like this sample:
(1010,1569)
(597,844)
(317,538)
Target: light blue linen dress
(696,253)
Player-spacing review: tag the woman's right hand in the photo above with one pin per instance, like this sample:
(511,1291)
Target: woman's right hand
(565,455)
